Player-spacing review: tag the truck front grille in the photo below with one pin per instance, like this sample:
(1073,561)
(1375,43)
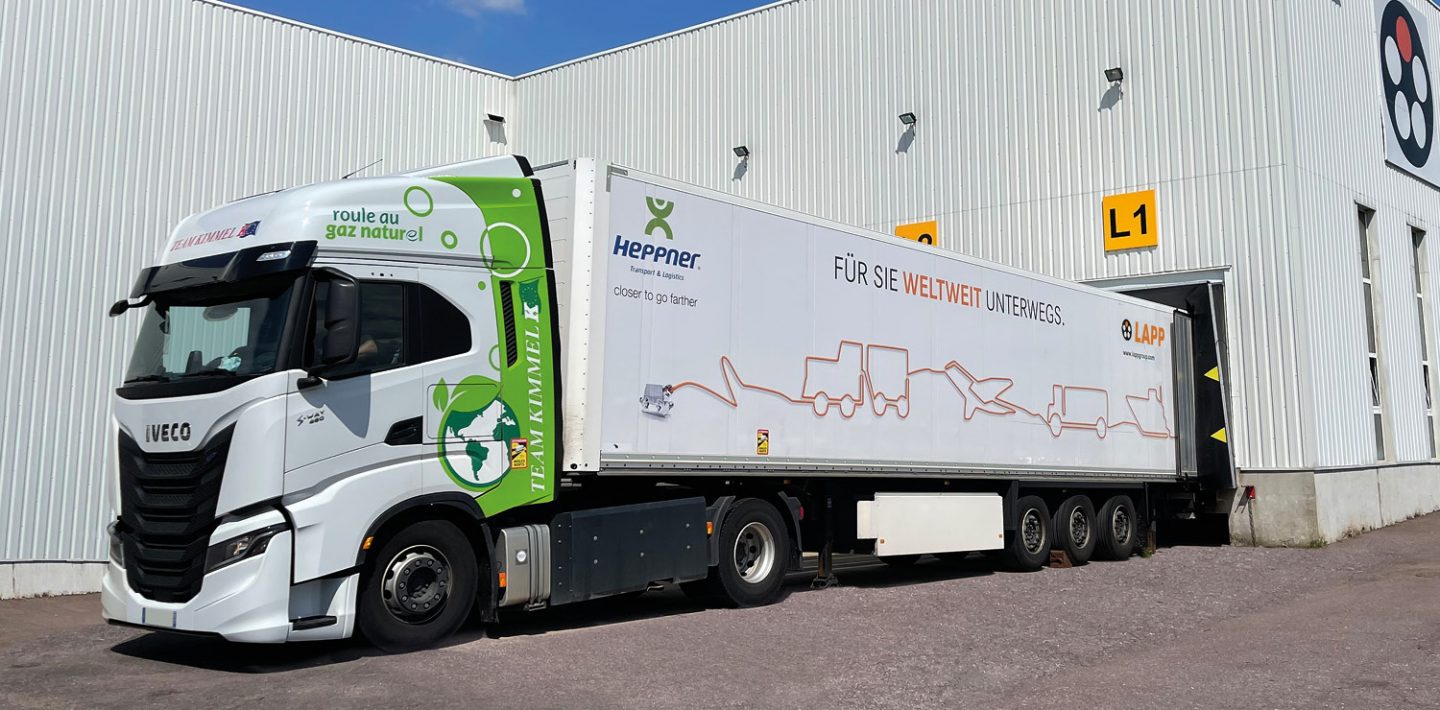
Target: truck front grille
(167,512)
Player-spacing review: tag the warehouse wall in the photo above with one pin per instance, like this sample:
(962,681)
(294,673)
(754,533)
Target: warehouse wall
(1338,110)
(1019,136)
(117,119)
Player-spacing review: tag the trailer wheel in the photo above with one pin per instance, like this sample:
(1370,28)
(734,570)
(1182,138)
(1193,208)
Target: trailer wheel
(754,554)
(1118,528)
(1027,547)
(1074,527)
(418,589)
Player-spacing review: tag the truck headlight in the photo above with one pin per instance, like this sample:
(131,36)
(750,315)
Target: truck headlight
(240,547)
(117,548)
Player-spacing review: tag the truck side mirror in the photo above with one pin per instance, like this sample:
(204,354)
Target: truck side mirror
(126,304)
(342,317)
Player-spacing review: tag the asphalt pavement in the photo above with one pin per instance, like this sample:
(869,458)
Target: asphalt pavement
(1352,625)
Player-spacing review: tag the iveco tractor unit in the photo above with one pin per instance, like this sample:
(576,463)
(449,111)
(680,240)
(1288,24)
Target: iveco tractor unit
(380,405)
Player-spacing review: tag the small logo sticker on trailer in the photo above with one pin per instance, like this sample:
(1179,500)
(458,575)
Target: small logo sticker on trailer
(762,442)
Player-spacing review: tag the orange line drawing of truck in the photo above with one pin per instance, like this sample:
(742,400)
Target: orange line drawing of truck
(829,381)
(1078,408)
(887,379)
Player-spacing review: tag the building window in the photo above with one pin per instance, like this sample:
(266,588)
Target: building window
(1417,238)
(1368,268)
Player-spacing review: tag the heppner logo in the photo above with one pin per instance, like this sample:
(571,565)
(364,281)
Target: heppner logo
(660,211)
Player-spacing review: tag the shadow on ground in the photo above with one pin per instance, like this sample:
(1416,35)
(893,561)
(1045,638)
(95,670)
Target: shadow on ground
(859,571)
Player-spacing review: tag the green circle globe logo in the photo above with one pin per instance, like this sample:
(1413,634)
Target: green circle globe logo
(476,428)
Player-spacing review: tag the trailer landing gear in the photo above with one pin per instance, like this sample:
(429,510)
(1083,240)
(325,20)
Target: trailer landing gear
(825,572)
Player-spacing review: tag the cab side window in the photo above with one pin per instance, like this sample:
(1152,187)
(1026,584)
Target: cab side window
(400,324)
(444,330)
(382,328)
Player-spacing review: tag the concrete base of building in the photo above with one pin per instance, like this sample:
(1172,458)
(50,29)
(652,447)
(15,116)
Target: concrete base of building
(1311,508)
(46,579)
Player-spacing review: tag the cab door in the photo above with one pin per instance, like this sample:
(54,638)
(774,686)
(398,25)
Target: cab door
(366,414)
(463,433)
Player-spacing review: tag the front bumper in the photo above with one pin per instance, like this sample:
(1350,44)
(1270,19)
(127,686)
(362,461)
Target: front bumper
(250,601)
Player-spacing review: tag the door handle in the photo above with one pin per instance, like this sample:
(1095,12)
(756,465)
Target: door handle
(403,432)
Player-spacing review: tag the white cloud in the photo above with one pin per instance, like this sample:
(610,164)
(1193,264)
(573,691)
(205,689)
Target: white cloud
(476,8)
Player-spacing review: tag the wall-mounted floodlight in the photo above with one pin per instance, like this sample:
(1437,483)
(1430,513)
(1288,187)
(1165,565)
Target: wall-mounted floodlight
(494,118)
(742,152)
(1115,75)
(907,118)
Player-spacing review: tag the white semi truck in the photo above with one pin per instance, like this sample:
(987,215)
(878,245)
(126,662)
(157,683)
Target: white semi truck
(380,405)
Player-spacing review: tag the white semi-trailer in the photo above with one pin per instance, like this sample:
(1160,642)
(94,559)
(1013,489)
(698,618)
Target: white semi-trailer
(378,405)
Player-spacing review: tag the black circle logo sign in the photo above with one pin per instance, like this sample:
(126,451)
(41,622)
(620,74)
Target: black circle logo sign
(1125,329)
(1409,97)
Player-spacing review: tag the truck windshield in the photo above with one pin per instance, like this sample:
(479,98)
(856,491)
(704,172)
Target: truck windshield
(226,331)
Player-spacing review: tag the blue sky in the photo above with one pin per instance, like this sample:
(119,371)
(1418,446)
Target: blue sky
(508,36)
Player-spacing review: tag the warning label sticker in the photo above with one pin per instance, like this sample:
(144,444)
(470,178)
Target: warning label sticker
(519,453)
(762,442)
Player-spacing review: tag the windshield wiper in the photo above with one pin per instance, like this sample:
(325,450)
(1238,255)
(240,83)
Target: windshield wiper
(147,378)
(211,372)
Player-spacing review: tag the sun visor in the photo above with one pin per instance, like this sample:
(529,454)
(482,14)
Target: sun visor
(230,267)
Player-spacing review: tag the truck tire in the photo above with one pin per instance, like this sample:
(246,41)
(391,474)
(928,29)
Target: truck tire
(1075,529)
(1027,547)
(418,589)
(754,549)
(1118,529)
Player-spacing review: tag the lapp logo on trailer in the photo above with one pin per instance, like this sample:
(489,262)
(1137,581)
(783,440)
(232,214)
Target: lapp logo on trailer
(660,211)
(1409,91)
(1143,333)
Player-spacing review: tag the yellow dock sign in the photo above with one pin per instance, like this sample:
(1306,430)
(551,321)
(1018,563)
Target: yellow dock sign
(1130,221)
(923,232)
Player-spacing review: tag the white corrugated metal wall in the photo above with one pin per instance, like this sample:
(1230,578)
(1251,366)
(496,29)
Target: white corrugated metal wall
(1016,142)
(1336,85)
(118,118)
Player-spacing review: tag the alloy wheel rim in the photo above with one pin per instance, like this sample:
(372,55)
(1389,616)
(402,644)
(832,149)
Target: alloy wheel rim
(754,552)
(1032,531)
(1079,527)
(416,584)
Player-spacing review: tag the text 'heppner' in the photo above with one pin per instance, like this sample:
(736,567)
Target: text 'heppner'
(658,254)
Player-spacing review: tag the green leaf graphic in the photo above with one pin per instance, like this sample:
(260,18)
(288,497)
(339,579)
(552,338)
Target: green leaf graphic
(441,396)
(474,393)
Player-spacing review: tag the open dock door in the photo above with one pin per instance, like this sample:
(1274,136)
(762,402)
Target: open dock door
(1209,421)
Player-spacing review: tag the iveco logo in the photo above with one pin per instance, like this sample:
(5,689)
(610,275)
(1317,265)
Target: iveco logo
(172,431)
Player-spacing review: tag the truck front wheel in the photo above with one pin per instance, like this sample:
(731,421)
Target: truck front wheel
(419,588)
(754,548)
